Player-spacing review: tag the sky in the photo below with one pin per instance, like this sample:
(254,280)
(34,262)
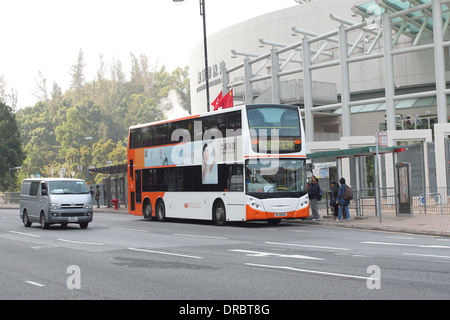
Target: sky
(46,35)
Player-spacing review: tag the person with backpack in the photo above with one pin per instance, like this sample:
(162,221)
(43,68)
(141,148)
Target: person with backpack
(343,199)
(315,195)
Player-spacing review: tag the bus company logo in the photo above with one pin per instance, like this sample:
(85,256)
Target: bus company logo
(192,205)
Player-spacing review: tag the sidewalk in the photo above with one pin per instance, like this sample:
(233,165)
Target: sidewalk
(434,224)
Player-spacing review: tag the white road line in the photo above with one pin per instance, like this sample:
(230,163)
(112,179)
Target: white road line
(129,229)
(26,234)
(198,236)
(35,284)
(266,254)
(405,238)
(80,242)
(165,253)
(310,271)
(306,246)
(426,255)
(407,245)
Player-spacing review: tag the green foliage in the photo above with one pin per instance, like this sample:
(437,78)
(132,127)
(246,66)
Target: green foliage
(11,152)
(53,131)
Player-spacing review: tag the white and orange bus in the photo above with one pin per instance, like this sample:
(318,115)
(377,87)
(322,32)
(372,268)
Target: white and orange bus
(238,164)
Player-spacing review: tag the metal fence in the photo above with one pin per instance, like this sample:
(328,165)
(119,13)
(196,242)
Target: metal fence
(428,200)
(10,197)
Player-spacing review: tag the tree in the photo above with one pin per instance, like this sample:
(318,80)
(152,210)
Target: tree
(77,73)
(11,152)
(40,92)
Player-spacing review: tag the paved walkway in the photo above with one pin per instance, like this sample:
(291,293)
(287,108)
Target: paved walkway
(434,224)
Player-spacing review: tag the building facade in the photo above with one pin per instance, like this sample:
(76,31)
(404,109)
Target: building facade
(336,61)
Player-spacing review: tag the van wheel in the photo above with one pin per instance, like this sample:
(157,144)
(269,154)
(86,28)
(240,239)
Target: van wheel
(26,221)
(160,210)
(84,225)
(44,224)
(219,214)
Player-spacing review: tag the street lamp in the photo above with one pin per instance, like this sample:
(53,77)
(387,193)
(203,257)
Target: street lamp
(79,152)
(203,14)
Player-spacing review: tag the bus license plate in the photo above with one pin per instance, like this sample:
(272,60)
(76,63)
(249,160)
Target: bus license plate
(73,219)
(280,214)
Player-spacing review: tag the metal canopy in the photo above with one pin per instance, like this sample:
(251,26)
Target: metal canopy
(116,169)
(353,152)
(409,23)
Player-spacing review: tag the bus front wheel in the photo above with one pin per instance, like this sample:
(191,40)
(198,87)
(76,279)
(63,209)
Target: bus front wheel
(219,214)
(147,212)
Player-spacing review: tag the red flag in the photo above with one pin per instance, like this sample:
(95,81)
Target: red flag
(227,100)
(216,103)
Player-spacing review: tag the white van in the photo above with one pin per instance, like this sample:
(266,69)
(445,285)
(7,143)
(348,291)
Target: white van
(55,200)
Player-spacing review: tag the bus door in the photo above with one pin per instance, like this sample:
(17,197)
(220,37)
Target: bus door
(138,186)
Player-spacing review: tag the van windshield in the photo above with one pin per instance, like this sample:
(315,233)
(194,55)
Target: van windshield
(68,187)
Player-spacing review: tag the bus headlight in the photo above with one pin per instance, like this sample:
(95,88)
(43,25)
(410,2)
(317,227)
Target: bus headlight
(255,203)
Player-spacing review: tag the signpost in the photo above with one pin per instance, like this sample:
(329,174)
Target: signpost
(380,142)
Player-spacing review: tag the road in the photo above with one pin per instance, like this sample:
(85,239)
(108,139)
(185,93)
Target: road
(120,256)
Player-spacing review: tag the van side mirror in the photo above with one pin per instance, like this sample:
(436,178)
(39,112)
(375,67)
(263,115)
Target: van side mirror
(44,192)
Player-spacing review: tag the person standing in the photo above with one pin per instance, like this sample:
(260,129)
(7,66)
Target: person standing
(334,189)
(97,196)
(314,194)
(341,201)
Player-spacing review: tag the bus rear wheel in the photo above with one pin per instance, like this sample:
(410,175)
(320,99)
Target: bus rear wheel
(160,210)
(219,214)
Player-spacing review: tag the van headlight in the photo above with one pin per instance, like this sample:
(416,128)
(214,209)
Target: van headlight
(55,206)
(88,206)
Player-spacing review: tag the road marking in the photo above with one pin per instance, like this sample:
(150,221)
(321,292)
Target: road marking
(80,242)
(129,229)
(306,246)
(266,254)
(426,255)
(35,284)
(198,236)
(310,271)
(165,253)
(26,234)
(398,237)
(407,245)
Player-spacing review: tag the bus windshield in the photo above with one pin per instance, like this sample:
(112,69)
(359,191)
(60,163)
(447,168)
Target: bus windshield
(274,129)
(275,178)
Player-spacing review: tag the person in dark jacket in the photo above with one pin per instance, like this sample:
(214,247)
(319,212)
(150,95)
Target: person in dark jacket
(314,194)
(343,204)
(334,189)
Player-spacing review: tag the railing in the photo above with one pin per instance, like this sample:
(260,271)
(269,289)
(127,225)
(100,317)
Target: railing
(431,201)
(428,200)
(10,197)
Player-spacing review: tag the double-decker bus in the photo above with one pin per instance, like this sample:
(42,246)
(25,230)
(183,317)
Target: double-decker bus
(238,164)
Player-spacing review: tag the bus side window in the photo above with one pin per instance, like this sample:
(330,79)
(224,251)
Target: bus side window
(234,124)
(136,138)
(236,178)
(147,137)
(161,134)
